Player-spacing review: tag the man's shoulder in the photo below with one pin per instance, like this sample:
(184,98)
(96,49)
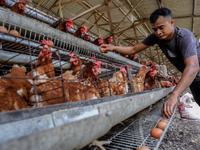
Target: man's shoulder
(183,32)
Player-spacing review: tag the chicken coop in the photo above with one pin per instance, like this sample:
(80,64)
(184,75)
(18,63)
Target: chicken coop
(58,91)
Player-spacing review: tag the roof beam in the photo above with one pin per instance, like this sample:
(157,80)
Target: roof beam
(160,3)
(95,22)
(126,16)
(87,19)
(68,3)
(87,11)
(110,9)
(137,24)
(40,3)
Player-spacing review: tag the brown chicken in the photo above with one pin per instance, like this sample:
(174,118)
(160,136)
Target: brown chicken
(86,37)
(108,40)
(65,25)
(150,79)
(19,7)
(51,92)
(44,65)
(75,63)
(3,3)
(98,41)
(81,31)
(120,81)
(138,79)
(14,92)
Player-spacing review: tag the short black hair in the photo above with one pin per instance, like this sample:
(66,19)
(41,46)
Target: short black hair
(160,12)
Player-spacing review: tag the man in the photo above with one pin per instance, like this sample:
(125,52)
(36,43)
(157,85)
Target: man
(180,47)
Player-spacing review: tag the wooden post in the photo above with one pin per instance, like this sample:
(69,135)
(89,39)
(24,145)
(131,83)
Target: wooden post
(60,9)
(98,30)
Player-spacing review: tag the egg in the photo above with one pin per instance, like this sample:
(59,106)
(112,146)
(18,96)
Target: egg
(102,50)
(3,29)
(156,133)
(162,125)
(14,32)
(164,120)
(143,148)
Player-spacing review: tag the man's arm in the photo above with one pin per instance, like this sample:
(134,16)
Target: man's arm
(189,73)
(123,50)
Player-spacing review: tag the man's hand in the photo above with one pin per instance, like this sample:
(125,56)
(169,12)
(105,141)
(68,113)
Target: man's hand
(104,48)
(168,106)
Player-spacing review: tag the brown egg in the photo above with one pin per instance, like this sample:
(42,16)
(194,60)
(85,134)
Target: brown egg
(164,120)
(14,32)
(3,29)
(156,133)
(103,51)
(143,148)
(162,125)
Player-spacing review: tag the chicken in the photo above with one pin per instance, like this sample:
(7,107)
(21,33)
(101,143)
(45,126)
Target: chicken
(138,79)
(64,25)
(150,79)
(98,41)
(19,7)
(50,93)
(108,40)
(144,62)
(121,82)
(81,31)
(86,37)
(75,63)
(166,84)
(44,65)
(3,3)
(14,91)
(89,73)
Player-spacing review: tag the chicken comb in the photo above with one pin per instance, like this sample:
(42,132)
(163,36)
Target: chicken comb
(45,42)
(71,54)
(111,37)
(101,38)
(123,69)
(69,20)
(134,55)
(98,63)
(129,65)
(85,28)
(22,1)
(126,56)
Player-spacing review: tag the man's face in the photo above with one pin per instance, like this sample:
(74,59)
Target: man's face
(163,28)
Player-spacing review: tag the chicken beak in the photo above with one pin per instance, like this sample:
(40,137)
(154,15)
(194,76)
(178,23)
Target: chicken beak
(99,71)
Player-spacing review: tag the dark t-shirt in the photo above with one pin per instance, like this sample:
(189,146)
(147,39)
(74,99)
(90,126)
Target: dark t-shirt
(182,46)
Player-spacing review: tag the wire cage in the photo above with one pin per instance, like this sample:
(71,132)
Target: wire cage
(36,74)
(23,49)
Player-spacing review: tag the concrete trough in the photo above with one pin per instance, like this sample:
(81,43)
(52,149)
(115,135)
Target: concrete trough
(75,127)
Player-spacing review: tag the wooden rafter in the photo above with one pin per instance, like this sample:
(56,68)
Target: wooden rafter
(68,3)
(110,9)
(160,3)
(109,19)
(40,3)
(87,11)
(87,19)
(96,21)
(60,9)
(126,16)
(128,28)
(53,5)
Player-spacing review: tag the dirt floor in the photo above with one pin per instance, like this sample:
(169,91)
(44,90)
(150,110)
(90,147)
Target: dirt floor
(182,134)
